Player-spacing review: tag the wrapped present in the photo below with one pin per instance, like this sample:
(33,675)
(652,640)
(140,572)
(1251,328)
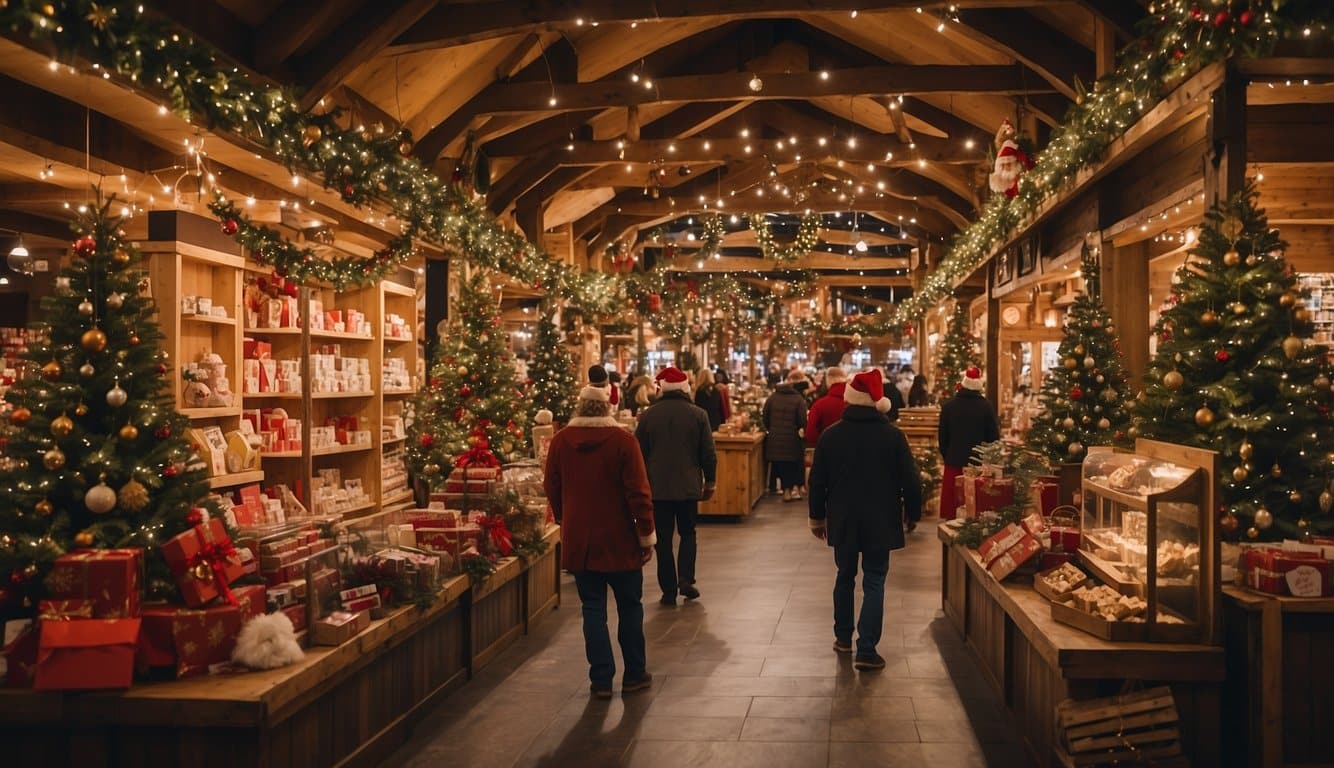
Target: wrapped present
(367,603)
(471,487)
(204,563)
(111,578)
(497,535)
(20,651)
(65,609)
(191,640)
(986,494)
(339,627)
(1035,524)
(470,472)
(449,540)
(999,542)
(85,654)
(1014,557)
(297,615)
(1280,572)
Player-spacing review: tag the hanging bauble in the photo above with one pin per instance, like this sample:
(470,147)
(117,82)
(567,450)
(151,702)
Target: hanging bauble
(87,370)
(85,247)
(1222,18)
(1075,449)
(1240,473)
(1326,501)
(1222,356)
(129,433)
(1086,420)
(1076,392)
(121,257)
(405,147)
(52,371)
(20,416)
(195,516)
(427,440)
(1321,381)
(1070,363)
(465,391)
(1288,299)
(430,469)
(1104,424)
(116,300)
(134,339)
(1068,423)
(1246,450)
(80,410)
(1173,380)
(1125,97)
(1292,346)
(1097,409)
(1232,258)
(83,539)
(1079,349)
(170,470)
(1100,378)
(163,433)
(1295,496)
(1204,417)
(62,426)
(1276,470)
(1089,362)
(133,496)
(1209,318)
(462,370)
(116,396)
(100,499)
(1263,518)
(1252,533)
(53,459)
(85,307)
(1228,523)
(94,340)
(311,134)
(1238,308)
(44,508)
(1132,432)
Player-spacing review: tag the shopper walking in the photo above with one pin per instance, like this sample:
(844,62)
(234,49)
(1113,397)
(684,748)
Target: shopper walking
(709,396)
(829,408)
(784,418)
(864,489)
(677,442)
(919,395)
(966,421)
(599,492)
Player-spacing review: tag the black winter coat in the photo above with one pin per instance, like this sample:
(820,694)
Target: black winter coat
(784,416)
(864,482)
(895,401)
(677,443)
(966,420)
(711,400)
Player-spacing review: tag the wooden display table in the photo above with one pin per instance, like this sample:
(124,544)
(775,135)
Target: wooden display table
(1034,662)
(1279,708)
(353,704)
(741,474)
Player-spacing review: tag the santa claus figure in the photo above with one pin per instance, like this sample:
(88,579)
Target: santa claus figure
(1011,161)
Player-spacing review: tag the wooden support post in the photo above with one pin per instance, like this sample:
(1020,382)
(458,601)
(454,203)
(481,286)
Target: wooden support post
(1104,48)
(528,215)
(1125,291)
(1225,169)
(993,340)
(437,298)
(632,123)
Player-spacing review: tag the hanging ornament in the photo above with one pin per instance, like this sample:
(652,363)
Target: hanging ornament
(129,433)
(1326,501)
(1100,378)
(1104,424)
(85,247)
(1228,523)
(163,432)
(94,340)
(100,499)
(85,307)
(44,508)
(465,390)
(1321,381)
(1288,299)
(427,440)
(1076,392)
(1222,356)
(133,496)
(121,257)
(1068,423)
(462,370)
(170,470)
(83,539)
(1292,346)
(87,370)
(1089,362)
(1295,496)
(52,371)
(1209,318)
(311,134)
(1276,470)
(1232,258)
(116,300)
(1075,449)
(1173,380)
(116,397)
(1238,308)
(80,410)
(1204,417)
(1079,349)
(431,470)
(194,517)
(1263,518)
(20,416)
(1252,533)
(134,339)
(1240,473)
(53,459)
(62,426)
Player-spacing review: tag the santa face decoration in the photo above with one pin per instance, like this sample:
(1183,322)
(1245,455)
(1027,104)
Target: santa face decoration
(1011,161)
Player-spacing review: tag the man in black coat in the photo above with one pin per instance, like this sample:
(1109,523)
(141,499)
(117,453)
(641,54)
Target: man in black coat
(864,487)
(677,442)
(966,421)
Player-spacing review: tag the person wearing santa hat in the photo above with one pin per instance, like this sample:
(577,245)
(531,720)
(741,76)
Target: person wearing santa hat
(598,489)
(864,489)
(598,377)
(966,421)
(677,442)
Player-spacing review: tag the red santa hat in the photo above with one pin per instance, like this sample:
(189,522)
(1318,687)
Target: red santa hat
(599,387)
(972,379)
(672,379)
(867,388)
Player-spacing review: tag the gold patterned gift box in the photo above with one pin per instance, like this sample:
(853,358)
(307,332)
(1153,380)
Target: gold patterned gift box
(111,578)
(191,640)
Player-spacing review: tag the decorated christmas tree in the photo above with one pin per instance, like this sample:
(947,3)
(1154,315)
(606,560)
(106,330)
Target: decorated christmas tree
(958,351)
(95,454)
(1235,373)
(473,398)
(1084,397)
(552,373)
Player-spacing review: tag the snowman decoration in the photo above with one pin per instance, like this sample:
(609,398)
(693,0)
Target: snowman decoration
(1011,161)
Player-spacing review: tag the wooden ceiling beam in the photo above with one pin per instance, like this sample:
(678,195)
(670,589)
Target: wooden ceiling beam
(290,26)
(542,136)
(362,36)
(35,225)
(864,149)
(814,260)
(1044,49)
(1124,16)
(857,281)
(956,127)
(210,22)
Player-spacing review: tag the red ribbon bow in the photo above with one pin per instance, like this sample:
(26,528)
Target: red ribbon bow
(216,555)
(479,455)
(499,534)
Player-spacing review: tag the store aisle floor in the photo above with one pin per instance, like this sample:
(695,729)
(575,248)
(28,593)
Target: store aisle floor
(743,678)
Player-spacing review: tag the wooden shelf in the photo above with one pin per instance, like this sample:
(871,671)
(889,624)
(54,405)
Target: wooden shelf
(280,455)
(316,396)
(393,440)
(330,451)
(211,413)
(274,331)
(399,392)
(339,395)
(337,335)
(396,497)
(395,340)
(272,395)
(235,479)
(399,290)
(209,319)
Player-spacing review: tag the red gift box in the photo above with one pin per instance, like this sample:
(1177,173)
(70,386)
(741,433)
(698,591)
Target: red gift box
(204,562)
(20,653)
(1000,542)
(1034,524)
(452,540)
(110,578)
(469,486)
(1014,557)
(65,609)
(297,614)
(987,494)
(1046,492)
(191,639)
(86,654)
(1278,572)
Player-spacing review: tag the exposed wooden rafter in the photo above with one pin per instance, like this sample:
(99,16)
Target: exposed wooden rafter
(1047,51)
(352,44)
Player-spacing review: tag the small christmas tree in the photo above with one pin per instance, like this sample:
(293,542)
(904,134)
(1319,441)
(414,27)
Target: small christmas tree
(95,454)
(958,351)
(552,373)
(473,397)
(1235,373)
(1083,397)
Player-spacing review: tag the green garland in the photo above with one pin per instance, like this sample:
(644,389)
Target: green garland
(808,236)
(1180,39)
(711,244)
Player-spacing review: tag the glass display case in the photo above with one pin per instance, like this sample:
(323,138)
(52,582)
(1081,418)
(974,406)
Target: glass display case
(1147,535)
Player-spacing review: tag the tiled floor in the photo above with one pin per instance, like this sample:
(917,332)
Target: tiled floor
(744,677)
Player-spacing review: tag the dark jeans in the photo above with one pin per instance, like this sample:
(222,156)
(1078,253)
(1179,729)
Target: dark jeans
(789,474)
(628,587)
(679,570)
(869,625)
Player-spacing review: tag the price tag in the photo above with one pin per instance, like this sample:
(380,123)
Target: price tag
(1305,581)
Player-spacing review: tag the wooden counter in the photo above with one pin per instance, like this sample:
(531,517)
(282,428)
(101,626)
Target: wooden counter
(353,704)
(741,474)
(1034,662)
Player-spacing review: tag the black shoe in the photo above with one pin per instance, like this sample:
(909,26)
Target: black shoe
(598,692)
(689,592)
(630,685)
(842,646)
(869,661)
(668,600)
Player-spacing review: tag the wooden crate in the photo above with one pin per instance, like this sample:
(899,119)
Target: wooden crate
(497,612)
(542,580)
(741,475)
(1134,729)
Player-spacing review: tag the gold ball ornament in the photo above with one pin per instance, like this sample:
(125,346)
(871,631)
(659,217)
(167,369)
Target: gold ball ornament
(116,397)
(62,426)
(44,508)
(1246,451)
(52,370)
(1326,501)
(1321,381)
(1295,496)
(1232,258)
(1263,518)
(1070,363)
(1209,319)
(1252,533)
(80,410)
(431,469)
(83,539)
(133,496)
(1292,346)
(1124,97)
(1302,315)
(1238,308)
(134,340)
(462,370)
(121,257)
(1288,299)
(100,499)
(129,433)
(53,459)
(1276,470)
(1079,349)
(311,134)
(1204,417)
(1240,474)
(94,340)
(1173,380)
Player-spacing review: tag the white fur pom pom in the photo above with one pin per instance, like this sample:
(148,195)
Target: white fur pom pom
(267,642)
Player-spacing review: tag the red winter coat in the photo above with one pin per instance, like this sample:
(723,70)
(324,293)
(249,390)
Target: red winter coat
(599,492)
(824,412)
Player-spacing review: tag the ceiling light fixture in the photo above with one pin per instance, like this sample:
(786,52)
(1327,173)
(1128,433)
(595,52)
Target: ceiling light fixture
(756,84)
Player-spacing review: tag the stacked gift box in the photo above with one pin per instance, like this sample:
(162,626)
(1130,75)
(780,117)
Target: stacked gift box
(340,430)
(394,472)
(276,312)
(395,375)
(261,374)
(275,429)
(985,493)
(1005,551)
(338,320)
(391,428)
(331,494)
(396,327)
(1296,569)
(331,372)
(447,533)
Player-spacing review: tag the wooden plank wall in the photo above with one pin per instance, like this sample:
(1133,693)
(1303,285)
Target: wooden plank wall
(1308,709)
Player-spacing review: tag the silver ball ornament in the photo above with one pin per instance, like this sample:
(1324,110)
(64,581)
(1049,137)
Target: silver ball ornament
(85,307)
(1068,423)
(116,300)
(100,499)
(1263,518)
(87,370)
(1089,362)
(116,397)
(1075,449)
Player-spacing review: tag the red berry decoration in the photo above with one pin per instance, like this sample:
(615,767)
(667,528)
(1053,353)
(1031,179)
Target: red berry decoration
(1076,393)
(195,516)
(427,441)
(169,470)
(230,227)
(85,247)
(1222,356)
(1222,18)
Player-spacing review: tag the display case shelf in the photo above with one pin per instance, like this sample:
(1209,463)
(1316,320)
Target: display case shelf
(315,334)
(397,497)
(337,449)
(407,340)
(340,395)
(281,455)
(209,319)
(210,413)
(235,479)
(273,331)
(399,392)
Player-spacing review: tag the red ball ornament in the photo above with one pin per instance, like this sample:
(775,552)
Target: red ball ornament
(1076,393)
(654,302)
(1222,356)
(169,470)
(1222,18)
(195,516)
(465,391)
(427,441)
(291,289)
(163,433)
(1178,55)
(162,369)
(230,227)
(85,247)
(1196,13)
(349,190)
(1246,18)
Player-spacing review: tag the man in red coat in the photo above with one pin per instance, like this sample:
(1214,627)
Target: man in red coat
(829,408)
(599,492)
